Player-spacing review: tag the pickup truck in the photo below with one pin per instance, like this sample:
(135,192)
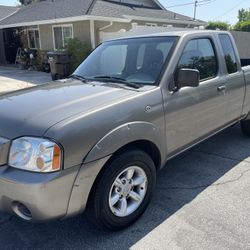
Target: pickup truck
(94,142)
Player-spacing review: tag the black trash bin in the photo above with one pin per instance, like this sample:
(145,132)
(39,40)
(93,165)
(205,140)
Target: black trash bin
(59,64)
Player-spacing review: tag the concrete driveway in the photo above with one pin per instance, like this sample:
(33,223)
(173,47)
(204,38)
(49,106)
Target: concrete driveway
(202,201)
(12,78)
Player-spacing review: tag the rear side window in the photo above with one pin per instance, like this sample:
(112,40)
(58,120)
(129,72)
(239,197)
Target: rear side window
(199,54)
(229,53)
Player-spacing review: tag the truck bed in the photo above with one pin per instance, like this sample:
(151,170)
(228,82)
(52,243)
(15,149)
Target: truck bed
(244,62)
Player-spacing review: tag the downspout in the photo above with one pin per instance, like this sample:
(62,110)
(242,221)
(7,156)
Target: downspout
(106,27)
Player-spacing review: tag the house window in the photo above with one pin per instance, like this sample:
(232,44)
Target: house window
(61,36)
(34,38)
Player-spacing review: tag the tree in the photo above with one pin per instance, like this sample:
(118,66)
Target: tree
(218,25)
(244,15)
(244,20)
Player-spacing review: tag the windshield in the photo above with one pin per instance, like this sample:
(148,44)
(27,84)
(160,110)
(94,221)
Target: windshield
(136,60)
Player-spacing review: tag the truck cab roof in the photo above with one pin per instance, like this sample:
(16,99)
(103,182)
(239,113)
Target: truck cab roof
(171,32)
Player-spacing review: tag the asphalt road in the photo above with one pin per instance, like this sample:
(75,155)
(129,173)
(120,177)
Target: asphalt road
(202,201)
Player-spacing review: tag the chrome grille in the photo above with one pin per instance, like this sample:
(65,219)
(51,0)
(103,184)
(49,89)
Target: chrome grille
(4,148)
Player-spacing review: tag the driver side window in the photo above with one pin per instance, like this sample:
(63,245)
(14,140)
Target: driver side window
(199,54)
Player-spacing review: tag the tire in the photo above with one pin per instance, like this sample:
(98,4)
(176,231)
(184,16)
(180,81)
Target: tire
(100,209)
(245,127)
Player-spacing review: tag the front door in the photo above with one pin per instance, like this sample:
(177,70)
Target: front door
(194,112)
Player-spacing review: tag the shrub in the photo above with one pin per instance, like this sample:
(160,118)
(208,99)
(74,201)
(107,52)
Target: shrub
(218,25)
(243,26)
(78,51)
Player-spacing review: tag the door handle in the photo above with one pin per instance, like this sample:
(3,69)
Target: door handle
(221,88)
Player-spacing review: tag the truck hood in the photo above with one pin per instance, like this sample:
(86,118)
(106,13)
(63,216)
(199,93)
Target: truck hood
(32,111)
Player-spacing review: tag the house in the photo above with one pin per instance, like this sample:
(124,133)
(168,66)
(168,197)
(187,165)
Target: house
(47,25)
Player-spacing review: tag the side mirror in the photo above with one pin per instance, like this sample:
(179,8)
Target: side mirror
(187,78)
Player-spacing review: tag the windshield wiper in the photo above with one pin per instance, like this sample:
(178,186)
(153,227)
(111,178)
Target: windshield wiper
(134,85)
(115,79)
(111,78)
(78,77)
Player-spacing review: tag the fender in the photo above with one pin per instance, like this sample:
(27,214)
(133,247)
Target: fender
(101,153)
(125,134)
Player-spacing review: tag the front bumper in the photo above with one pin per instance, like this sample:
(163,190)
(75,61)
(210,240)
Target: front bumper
(48,196)
(44,195)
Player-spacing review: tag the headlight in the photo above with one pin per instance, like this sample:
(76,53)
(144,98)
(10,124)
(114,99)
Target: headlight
(35,154)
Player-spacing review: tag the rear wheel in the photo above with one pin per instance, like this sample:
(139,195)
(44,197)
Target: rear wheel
(245,127)
(123,191)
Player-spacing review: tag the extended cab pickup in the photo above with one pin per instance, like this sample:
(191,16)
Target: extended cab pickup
(95,141)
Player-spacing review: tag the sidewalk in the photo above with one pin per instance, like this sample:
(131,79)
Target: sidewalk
(12,78)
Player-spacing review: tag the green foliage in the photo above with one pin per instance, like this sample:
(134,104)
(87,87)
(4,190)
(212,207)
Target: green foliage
(78,51)
(218,25)
(244,15)
(243,26)
(244,20)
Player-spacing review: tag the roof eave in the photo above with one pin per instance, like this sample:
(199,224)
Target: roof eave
(125,19)
(167,20)
(66,20)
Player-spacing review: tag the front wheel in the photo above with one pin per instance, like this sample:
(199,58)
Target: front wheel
(123,191)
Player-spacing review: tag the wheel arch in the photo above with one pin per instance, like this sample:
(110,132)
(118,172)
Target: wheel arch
(144,145)
(143,135)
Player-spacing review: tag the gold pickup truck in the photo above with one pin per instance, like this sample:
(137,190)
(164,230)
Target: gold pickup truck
(96,140)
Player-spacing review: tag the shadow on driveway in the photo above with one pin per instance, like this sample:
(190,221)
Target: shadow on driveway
(184,178)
